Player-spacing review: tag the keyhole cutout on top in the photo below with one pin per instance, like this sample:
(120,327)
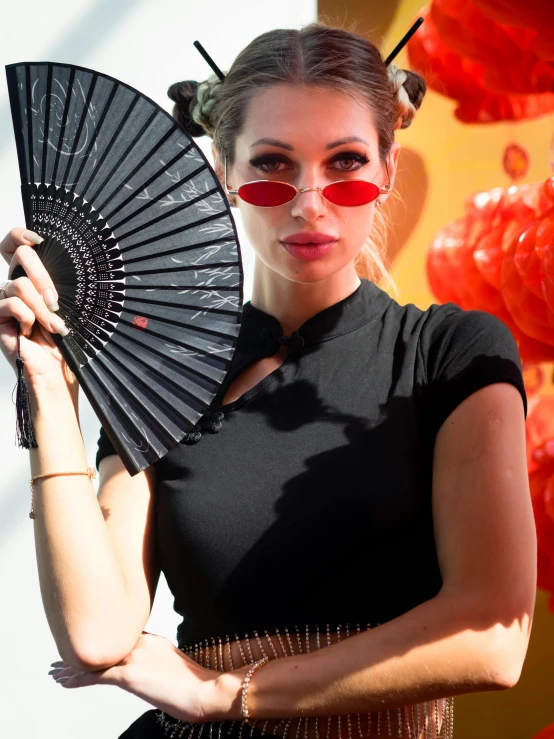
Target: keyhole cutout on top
(254,374)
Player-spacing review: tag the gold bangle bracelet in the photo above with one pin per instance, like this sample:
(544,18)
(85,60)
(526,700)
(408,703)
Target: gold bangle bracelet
(91,472)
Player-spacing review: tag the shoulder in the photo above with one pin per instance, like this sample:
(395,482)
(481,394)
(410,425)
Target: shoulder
(460,352)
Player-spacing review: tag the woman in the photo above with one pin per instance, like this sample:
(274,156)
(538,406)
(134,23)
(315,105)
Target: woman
(359,514)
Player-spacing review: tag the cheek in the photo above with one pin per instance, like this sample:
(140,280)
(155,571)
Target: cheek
(260,226)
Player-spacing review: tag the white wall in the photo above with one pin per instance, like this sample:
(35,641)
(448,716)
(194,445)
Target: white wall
(147,44)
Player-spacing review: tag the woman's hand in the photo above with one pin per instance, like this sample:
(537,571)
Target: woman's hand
(162,675)
(26,302)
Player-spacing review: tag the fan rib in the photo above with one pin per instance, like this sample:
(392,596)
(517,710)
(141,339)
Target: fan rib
(131,174)
(64,120)
(96,133)
(187,268)
(168,213)
(184,306)
(175,231)
(178,250)
(108,148)
(123,156)
(193,288)
(29,124)
(46,122)
(170,189)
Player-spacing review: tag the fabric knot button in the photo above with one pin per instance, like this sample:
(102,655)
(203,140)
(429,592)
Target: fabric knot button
(192,437)
(274,338)
(211,421)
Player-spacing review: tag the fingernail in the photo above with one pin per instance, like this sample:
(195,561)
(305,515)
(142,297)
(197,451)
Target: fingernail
(62,679)
(32,237)
(55,672)
(50,299)
(59,326)
(60,663)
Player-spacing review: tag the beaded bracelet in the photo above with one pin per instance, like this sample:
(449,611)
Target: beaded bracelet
(251,671)
(91,472)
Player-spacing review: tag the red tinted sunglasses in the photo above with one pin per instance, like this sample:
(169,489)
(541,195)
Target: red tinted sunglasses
(271,193)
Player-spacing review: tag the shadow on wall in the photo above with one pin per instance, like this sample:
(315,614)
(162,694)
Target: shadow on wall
(377,17)
(101,20)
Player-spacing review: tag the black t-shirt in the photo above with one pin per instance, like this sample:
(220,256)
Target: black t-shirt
(312,502)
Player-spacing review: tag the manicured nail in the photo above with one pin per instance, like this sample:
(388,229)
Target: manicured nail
(50,299)
(62,679)
(59,663)
(55,672)
(59,326)
(32,237)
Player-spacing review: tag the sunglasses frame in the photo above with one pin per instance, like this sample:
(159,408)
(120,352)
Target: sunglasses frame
(382,190)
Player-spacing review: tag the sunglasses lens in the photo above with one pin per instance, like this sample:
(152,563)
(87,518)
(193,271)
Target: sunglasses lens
(267,194)
(351,192)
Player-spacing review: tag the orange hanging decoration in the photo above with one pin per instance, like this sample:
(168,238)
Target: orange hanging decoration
(515,161)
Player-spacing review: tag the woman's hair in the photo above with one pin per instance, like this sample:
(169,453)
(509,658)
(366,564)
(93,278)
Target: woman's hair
(317,55)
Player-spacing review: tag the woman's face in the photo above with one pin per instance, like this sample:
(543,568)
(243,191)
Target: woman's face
(308,137)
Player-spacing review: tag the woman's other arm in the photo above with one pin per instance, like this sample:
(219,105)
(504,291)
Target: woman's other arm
(473,635)
(96,572)
(95,555)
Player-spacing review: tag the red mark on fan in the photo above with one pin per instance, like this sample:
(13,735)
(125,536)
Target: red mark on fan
(140,322)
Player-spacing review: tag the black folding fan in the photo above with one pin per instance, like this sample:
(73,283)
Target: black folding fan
(141,247)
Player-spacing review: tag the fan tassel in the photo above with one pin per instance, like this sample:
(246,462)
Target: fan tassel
(24,428)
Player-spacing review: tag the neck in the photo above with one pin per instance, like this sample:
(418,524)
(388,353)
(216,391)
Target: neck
(293,303)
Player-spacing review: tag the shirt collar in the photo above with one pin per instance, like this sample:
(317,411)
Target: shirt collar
(262,332)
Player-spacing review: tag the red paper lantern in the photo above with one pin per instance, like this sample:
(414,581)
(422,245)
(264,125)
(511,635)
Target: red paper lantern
(465,264)
(491,70)
(546,733)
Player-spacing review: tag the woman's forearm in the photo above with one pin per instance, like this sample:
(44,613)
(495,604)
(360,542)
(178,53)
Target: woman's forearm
(435,650)
(81,582)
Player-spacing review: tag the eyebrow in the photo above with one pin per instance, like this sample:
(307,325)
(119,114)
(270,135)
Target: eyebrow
(288,147)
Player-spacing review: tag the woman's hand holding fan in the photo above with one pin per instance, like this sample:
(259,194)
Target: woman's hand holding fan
(25,304)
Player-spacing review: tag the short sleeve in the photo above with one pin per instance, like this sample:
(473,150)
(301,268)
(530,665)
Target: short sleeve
(462,351)
(105,447)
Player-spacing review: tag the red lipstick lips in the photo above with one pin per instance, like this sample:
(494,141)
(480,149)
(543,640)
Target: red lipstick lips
(308,245)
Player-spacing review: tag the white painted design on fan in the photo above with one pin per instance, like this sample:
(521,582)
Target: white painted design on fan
(190,353)
(224,228)
(144,195)
(46,135)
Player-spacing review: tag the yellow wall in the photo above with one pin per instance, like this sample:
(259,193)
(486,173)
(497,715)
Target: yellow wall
(443,161)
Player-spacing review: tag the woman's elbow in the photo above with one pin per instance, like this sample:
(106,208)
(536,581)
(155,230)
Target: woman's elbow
(506,652)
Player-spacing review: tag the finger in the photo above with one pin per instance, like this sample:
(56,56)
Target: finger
(15,238)
(27,257)
(14,307)
(24,289)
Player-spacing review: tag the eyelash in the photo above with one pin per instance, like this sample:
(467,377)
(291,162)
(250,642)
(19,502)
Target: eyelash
(264,159)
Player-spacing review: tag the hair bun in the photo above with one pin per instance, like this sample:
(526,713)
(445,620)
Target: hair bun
(415,86)
(409,89)
(183,95)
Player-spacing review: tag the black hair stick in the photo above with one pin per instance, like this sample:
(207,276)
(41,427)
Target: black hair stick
(209,59)
(403,41)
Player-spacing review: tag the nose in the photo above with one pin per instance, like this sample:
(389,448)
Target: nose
(309,205)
